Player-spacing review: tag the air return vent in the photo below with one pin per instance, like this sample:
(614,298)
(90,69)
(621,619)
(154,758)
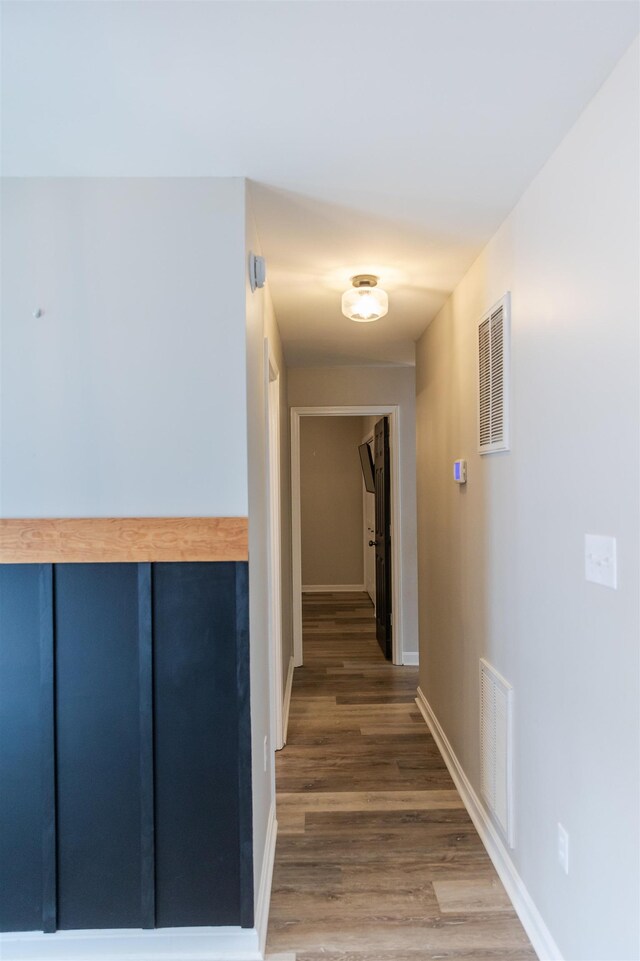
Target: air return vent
(495,747)
(493,370)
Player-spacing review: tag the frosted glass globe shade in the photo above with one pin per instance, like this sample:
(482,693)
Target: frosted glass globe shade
(364,304)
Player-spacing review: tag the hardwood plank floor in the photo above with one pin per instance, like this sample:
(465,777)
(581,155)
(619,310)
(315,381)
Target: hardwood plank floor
(377,858)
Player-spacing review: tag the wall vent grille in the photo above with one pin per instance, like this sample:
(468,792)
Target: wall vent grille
(493,368)
(496,767)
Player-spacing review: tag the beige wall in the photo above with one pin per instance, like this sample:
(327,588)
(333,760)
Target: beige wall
(331,501)
(376,386)
(368,425)
(501,560)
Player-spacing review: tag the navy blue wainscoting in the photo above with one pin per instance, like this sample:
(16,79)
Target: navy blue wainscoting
(125,764)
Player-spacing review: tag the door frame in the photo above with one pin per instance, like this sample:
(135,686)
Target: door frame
(391,411)
(274,563)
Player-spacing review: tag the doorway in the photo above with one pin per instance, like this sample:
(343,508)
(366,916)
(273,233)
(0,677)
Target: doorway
(392,413)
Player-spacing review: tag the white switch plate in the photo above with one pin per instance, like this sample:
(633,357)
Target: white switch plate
(600,560)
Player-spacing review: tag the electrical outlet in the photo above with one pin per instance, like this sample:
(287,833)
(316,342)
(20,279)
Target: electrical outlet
(265,754)
(563,848)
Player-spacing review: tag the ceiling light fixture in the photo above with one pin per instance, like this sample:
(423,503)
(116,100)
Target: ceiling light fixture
(365,301)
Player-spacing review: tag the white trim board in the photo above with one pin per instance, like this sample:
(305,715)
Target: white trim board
(392,411)
(532,921)
(287,700)
(333,588)
(266,877)
(129,944)
(410,658)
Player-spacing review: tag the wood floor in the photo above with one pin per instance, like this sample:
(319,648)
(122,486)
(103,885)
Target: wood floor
(377,859)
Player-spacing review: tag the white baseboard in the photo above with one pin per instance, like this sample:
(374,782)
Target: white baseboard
(127,944)
(410,658)
(333,588)
(287,701)
(532,921)
(266,877)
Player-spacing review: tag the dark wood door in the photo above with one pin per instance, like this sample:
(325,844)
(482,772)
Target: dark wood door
(383,536)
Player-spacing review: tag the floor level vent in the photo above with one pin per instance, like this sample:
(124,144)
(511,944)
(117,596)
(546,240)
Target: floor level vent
(496,697)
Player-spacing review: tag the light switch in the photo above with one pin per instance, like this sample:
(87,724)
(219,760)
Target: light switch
(600,560)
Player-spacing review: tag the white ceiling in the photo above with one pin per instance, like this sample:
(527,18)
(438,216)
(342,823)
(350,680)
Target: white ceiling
(387,137)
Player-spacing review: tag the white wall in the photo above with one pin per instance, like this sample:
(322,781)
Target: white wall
(127,397)
(331,515)
(140,392)
(502,561)
(376,386)
(261,324)
(286,583)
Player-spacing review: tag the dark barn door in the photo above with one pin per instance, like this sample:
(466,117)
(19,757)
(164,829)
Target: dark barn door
(383,536)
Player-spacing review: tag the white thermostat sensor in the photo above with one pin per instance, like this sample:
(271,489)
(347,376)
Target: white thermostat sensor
(460,471)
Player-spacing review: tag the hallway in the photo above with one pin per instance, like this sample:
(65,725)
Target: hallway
(377,859)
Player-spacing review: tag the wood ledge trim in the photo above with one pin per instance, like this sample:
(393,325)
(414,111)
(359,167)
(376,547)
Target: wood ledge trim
(81,540)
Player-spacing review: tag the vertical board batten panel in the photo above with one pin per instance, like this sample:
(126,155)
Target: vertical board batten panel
(98,748)
(196,744)
(48,750)
(147,793)
(125,748)
(21,882)
(244,746)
